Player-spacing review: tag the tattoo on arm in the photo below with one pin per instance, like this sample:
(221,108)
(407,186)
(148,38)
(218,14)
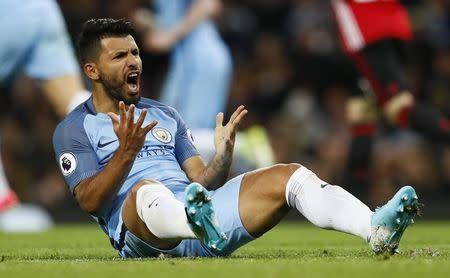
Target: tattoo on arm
(216,172)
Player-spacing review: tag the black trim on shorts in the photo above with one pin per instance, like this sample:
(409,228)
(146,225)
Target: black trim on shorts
(118,245)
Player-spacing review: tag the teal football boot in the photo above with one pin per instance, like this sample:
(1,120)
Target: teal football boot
(390,221)
(201,217)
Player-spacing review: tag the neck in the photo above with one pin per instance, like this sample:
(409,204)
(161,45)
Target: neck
(103,102)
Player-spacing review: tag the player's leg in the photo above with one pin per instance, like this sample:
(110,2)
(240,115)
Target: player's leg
(158,221)
(360,112)
(267,194)
(151,212)
(8,198)
(53,61)
(65,93)
(403,111)
(17,217)
(362,117)
(380,63)
(18,31)
(262,202)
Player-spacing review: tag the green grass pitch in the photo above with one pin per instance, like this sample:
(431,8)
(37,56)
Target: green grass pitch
(290,250)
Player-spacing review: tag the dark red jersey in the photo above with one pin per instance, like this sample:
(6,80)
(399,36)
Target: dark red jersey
(362,22)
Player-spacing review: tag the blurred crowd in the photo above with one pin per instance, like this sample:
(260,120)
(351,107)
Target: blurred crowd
(291,74)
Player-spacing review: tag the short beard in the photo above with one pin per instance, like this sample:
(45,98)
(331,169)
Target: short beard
(115,92)
(131,101)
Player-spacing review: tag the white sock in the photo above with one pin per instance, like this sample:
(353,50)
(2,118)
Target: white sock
(4,185)
(327,206)
(164,215)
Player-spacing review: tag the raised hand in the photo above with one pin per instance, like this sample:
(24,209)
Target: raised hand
(131,135)
(224,136)
(142,20)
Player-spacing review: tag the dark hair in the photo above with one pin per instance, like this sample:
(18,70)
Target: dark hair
(94,30)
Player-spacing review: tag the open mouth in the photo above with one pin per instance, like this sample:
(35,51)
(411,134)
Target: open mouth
(133,81)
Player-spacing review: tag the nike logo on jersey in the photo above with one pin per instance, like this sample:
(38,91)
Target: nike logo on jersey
(324,185)
(101,145)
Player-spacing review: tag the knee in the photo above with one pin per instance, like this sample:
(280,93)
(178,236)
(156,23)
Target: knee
(285,170)
(360,111)
(133,192)
(148,190)
(279,177)
(290,168)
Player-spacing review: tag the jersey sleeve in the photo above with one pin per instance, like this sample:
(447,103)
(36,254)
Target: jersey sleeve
(184,142)
(74,154)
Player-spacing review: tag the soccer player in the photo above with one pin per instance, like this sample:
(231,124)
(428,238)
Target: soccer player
(372,32)
(200,63)
(131,163)
(34,40)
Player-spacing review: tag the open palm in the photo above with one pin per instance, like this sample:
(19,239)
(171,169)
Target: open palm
(224,136)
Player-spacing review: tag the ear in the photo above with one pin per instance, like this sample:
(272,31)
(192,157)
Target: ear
(91,70)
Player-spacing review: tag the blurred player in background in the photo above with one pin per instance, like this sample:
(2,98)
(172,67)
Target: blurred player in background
(34,40)
(199,74)
(372,33)
(200,63)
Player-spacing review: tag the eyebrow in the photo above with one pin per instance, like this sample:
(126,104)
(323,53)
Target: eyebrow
(123,50)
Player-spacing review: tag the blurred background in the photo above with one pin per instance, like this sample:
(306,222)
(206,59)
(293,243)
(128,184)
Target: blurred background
(291,73)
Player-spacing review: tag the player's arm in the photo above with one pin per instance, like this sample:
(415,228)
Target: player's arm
(65,93)
(158,40)
(215,173)
(94,192)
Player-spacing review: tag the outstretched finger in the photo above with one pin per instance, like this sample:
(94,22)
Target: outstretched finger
(130,113)
(239,117)
(122,112)
(150,126)
(236,113)
(219,119)
(141,118)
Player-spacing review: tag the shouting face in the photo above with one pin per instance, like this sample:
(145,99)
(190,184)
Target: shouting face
(119,68)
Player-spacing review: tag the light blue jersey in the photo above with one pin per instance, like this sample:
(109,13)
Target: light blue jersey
(200,67)
(85,141)
(34,39)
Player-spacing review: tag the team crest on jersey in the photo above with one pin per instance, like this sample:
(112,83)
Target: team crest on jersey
(67,163)
(162,135)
